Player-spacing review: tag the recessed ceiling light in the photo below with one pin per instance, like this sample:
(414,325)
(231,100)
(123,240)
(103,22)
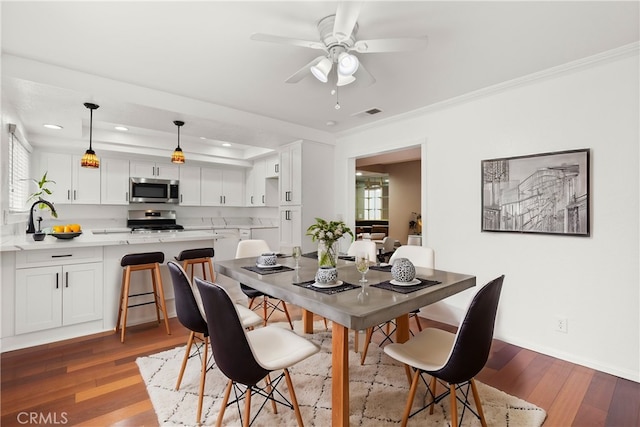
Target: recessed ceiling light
(226,144)
(49,126)
(122,128)
(358,173)
(331,123)
(202,137)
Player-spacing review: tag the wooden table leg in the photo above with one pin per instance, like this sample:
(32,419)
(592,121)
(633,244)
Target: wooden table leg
(307,322)
(340,375)
(402,328)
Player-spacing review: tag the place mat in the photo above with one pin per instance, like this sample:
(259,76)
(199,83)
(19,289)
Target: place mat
(424,283)
(329,291)
(311,254)
(386,268)
(259,270)
(347,257)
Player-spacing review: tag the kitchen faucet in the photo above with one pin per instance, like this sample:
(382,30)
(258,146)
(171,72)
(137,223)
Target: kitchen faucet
(31,228)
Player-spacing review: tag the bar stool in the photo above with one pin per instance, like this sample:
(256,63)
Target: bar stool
(201,256)
(137,262)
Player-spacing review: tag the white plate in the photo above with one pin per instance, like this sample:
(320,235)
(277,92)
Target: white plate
(328,285)
(411,283)
(268,266)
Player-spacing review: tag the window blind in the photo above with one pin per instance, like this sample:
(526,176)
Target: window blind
(18,174)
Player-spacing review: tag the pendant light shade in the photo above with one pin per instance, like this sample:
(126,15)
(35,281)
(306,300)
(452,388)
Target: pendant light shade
(89,159)
(347,64)
(321,70)
(178,155)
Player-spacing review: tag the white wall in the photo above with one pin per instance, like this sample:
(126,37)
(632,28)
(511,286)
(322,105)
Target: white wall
(594,281)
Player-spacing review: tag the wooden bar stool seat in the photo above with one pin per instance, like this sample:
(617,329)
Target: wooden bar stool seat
(202,256)
(138,262)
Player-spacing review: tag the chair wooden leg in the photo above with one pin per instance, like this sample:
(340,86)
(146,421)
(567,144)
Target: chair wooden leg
(294,400)
(454,405)
(213,276)
(185,359)
(125,302)
(247,407)
(434,384)
(269,388)
(407,370)
(251,301)
(286,312)
(356,341)
(154,283)
(223,405)
(203,377)
(124,273)
(163,304)
(367,340)
(418,322)
(412,394)
(476,398)
(326,328)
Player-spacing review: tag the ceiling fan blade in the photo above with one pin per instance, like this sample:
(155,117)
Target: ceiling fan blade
(390,45)
(287,40)
(303,72)
(346,18)
(363,77)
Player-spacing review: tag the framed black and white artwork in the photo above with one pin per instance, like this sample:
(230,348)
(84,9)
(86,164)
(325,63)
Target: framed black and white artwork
(544,193)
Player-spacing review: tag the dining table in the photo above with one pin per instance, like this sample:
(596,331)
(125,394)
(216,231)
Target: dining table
(348,303)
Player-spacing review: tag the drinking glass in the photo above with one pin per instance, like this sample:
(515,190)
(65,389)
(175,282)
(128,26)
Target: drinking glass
(362,264)
(296,254)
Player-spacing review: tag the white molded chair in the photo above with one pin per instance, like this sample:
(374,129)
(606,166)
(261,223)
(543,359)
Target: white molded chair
(452,359)
(420,256)
(248,357)
(364,246)
(268,304)
(388,247)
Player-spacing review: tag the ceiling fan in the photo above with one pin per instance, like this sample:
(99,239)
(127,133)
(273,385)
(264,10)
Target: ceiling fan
(337,39)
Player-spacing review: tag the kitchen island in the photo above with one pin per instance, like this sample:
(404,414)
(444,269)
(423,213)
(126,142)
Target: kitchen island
(59,289)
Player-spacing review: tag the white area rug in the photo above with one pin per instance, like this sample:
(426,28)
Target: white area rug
(378,392)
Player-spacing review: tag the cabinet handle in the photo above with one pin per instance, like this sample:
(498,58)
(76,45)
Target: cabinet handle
(220,199)
(66,279)
(251,199)
(263,198)
(277,167)
(74,195)
(61,256)
(181,198)
(57,277)
(68,194)
(224,200)
(158,168)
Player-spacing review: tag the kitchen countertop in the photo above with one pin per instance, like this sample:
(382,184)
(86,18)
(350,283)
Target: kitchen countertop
(108,237)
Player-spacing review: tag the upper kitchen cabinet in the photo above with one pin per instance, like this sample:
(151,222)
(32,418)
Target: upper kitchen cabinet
(189,186)
(256,184)
(73,183)
(272,167)
(139,169)
(114,181)
(222,187)
(291,174)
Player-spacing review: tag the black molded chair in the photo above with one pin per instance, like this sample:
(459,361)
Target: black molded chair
(452,359)
(191,316)
(247,357)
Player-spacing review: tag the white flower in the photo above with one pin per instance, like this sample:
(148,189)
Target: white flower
(329,235)
(321,234)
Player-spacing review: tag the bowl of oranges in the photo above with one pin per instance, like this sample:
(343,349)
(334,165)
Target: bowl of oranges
(68,231)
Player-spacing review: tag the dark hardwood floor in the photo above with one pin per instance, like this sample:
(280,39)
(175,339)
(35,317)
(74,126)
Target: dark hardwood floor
(95,381)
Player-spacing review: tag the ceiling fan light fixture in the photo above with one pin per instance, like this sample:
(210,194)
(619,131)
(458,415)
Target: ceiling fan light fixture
(89,159)
(347,64)
(321,70)
(345,80)
(178,155)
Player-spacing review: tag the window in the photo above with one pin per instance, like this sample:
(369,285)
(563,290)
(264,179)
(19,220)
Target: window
(373,203)
(19,154)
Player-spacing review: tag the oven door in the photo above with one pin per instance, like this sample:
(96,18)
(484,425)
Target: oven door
(146,190)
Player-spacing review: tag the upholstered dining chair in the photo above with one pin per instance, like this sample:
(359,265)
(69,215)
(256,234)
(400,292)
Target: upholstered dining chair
(192,316)
(248,357)
(452,359)
(420,256)
(268,304)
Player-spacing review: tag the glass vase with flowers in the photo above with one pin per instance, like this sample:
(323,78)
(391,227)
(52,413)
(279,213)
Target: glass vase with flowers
(327,234)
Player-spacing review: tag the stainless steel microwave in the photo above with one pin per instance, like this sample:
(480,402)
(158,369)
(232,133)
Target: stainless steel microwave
(151,190)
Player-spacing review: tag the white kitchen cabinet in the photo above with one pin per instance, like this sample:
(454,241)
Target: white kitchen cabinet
(189,186)
(114,182)
(57,288)
(222,187)
(305,192)
(256,184)
(73,183)
(138,169)
(272,166)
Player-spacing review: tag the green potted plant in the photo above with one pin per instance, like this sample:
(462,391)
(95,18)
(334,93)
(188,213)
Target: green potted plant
(42,204)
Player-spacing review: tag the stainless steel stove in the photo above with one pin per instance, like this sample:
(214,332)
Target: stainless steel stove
(153,221)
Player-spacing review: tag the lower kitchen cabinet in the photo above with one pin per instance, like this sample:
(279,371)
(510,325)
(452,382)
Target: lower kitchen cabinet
(52,296)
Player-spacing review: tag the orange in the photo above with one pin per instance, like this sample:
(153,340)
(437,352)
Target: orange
(67,229)
(58,228)
(75,227)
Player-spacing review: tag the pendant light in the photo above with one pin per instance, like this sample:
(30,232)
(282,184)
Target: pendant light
(90,160)
(178,155)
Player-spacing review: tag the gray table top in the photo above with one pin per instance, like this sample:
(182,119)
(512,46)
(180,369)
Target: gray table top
(349,308)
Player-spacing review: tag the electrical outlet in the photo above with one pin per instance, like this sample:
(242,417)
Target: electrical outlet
(562,324)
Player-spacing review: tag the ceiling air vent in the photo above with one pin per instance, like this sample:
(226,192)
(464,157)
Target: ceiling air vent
(366,113)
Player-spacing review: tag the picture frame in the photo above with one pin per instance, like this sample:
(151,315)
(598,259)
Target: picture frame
(546,193)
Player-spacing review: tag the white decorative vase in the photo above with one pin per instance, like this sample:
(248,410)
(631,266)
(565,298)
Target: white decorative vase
(403,270)
(327,275)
